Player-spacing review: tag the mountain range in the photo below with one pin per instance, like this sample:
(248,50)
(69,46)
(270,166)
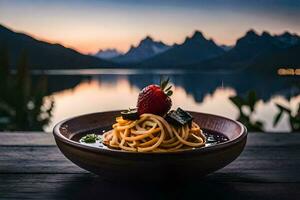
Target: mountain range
(249,49)
(193,50)
(43,55)
(108,53)
(196,52)
(146,49)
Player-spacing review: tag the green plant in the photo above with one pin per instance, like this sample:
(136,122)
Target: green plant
(294,119)
(22,104)
(249,103)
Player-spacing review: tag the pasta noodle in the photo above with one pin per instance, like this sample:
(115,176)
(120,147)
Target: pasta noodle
(152,133)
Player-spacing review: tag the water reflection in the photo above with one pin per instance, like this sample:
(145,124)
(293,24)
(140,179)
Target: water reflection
(77,92)
(80,94)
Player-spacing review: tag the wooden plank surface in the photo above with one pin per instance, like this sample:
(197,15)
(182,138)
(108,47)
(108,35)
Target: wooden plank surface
(88,186)
(32,167)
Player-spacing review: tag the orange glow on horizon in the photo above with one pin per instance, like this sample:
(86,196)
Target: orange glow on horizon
(88,26)
(81,42)
(91,46)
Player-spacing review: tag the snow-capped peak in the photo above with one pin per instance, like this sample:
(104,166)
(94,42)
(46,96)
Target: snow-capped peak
(108,53)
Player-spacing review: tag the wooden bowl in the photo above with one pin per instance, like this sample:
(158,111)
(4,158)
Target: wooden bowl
(121,165)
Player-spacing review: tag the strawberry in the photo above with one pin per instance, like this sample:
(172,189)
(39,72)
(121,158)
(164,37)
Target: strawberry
(155,99)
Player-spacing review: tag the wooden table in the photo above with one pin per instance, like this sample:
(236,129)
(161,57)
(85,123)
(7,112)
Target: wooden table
(32,167)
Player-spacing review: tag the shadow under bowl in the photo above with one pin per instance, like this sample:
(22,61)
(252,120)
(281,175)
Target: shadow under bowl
(121,165)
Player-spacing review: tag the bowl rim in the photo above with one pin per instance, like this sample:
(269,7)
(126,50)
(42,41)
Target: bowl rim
(58,136)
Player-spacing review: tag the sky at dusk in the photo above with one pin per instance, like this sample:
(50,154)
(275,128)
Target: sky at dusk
(90,25)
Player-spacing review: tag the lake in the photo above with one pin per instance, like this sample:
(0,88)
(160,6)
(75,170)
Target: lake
(77,92)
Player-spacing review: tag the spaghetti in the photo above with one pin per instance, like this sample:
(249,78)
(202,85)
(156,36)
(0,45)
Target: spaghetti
(152,133)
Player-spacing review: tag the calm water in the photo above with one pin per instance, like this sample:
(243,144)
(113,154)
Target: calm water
(78,92)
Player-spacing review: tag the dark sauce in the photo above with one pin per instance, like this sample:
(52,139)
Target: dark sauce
(212,138)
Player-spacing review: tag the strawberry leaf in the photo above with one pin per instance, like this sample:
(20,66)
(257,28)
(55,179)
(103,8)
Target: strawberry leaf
(161,81)
(164,83)
(169,88)
(169,93)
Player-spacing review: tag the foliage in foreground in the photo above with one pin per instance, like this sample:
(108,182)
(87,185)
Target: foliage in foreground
(294,119)
(22,104)
(248,103)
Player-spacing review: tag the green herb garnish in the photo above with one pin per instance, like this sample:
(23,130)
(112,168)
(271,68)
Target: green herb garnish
(90,138)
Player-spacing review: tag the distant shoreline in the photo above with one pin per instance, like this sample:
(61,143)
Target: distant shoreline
(124,71)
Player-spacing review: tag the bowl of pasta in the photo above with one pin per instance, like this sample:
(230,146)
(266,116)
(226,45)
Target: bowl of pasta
(151,142)
(225,140)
